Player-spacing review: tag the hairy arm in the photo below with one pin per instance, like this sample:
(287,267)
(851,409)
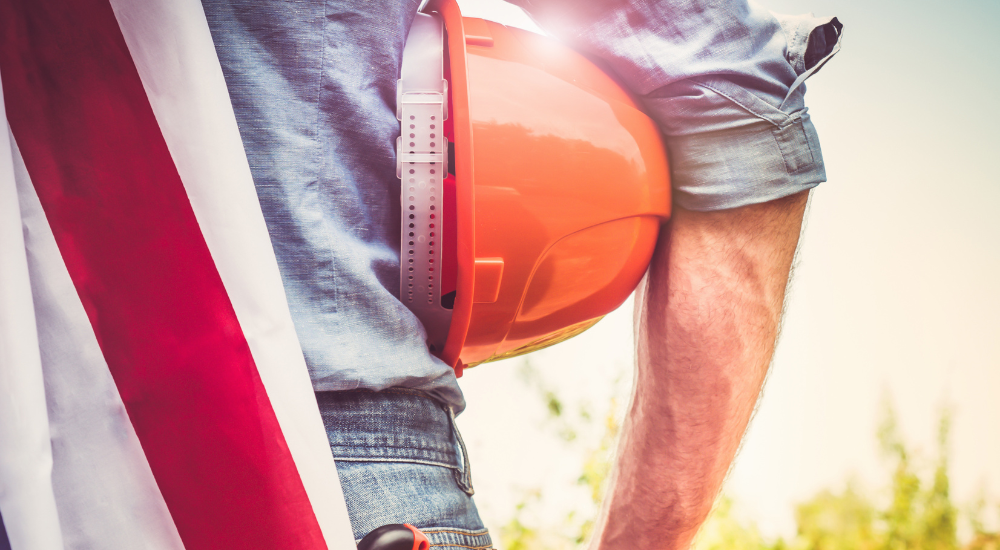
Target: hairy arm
(706,323)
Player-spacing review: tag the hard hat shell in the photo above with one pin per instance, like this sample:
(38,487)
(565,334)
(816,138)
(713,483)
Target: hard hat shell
(560,187)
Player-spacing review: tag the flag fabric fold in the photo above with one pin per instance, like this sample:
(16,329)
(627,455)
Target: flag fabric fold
(27,502)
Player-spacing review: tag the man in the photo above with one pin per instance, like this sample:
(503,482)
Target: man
(97,194)
(313,86)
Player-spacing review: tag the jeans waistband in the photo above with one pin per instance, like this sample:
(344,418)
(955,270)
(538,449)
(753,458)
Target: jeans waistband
(395,425)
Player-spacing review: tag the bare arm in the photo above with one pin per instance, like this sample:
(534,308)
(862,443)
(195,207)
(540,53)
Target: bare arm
(706,328)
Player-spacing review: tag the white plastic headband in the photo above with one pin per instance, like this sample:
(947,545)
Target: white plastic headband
(422,165)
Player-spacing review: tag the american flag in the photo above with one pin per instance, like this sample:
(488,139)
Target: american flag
(152,390)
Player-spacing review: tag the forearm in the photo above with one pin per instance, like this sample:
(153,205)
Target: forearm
(706,328)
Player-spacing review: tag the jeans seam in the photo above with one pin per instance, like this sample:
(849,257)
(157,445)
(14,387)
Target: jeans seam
(463,475)
(476,533)
(407,460)
(444,537)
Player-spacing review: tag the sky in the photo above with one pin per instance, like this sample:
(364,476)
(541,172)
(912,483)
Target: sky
(895,296)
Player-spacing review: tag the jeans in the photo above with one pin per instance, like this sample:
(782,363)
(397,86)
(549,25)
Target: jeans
(401,460)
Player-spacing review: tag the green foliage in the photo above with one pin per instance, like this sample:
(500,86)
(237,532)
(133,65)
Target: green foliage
(901,516)
(915,511)
(518,536)
(597,466)
(724,531)
(567,424)
(917,517)
(918,513)
(982,539)
(844,521)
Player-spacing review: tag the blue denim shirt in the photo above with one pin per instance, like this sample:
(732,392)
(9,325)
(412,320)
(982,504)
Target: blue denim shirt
(313,84)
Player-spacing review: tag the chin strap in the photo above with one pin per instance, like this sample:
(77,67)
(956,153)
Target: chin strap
(422,165)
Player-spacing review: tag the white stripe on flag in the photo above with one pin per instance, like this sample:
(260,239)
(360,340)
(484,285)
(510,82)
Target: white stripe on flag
(105,491)
(172,48)
(27,503)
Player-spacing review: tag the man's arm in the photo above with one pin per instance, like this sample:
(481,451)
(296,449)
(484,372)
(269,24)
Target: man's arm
(723,79)
(706,326)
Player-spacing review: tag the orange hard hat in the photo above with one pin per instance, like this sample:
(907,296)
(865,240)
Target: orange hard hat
(554,188)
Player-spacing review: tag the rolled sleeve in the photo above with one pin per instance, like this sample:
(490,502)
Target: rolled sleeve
(723,79)
(745,165)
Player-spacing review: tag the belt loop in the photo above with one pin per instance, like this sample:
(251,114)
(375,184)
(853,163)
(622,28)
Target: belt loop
(463,476)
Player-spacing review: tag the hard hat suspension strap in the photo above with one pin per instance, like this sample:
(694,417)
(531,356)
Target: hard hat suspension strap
(422,165)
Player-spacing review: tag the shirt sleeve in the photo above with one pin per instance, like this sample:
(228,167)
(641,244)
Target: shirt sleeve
(724,81)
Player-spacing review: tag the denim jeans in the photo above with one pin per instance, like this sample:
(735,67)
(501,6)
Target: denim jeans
(401,460)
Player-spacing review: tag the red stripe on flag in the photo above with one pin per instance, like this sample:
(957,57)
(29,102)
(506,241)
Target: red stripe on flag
(138,259)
